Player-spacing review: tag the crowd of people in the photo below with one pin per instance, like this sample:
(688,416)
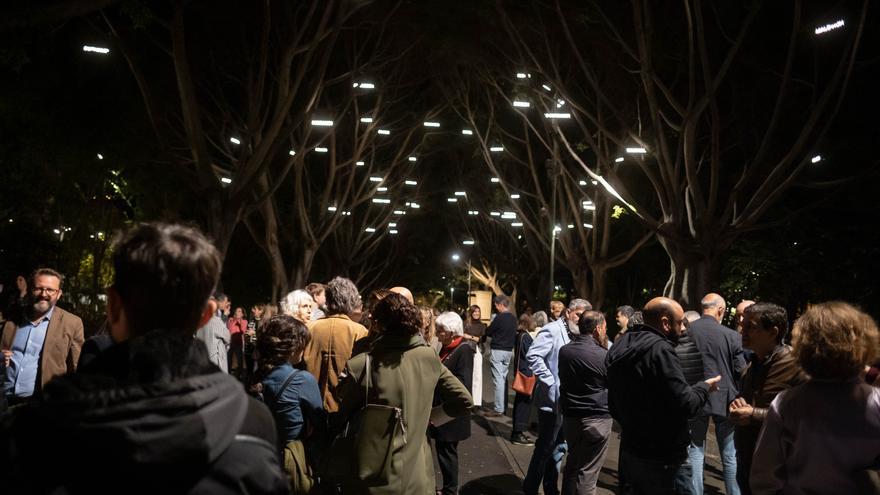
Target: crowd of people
(326,394)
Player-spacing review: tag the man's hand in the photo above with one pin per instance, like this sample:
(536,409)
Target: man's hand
(713,383)
(740,412)
(7,358)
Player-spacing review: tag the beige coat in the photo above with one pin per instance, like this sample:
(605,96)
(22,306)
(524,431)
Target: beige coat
(327,352)
(406,372)
(64,340)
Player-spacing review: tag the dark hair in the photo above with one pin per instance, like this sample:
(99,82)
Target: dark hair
(342,296)
(220,296)
(164,274)
(282,337)
(502,300)
(315,288)
(470,313)
(590,321)
(770,315)
(636,319)
(625,310)
(397,315)
(47,272)
(526,323)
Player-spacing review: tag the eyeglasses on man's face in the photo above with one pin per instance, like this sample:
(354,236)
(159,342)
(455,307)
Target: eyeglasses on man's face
(45,290)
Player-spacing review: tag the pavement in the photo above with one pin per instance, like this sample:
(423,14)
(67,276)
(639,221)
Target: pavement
(489,464)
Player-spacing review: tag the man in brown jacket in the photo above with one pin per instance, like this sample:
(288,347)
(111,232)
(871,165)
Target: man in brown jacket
(45,344)
(771,371)
(333,338)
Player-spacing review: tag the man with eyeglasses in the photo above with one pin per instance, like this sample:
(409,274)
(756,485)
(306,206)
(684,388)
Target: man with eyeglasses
(46,342)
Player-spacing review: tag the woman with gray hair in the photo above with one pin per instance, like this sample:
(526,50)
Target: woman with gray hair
(298,304)
(457,354)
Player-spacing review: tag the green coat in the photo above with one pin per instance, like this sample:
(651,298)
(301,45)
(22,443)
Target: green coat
(406,373)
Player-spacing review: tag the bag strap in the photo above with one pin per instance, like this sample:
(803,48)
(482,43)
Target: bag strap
(284,385)
(367,379)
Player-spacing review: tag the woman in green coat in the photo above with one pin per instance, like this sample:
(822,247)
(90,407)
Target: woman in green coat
(405,374)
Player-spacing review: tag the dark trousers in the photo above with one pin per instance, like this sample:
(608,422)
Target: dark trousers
(522,406)
(447,457)
(587,440)
(547,456)
(653,477)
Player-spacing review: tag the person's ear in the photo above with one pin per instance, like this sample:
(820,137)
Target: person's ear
(116,317)
(208,312)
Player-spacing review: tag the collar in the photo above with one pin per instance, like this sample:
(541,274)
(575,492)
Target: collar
(648,328)
(339,315)
(447,350)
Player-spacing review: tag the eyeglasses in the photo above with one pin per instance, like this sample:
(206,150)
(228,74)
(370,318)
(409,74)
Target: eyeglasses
(49,292)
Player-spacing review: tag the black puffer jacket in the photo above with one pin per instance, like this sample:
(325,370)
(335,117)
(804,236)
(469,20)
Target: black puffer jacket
(691,360)
(154,417)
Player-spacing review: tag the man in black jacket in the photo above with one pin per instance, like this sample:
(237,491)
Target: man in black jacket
(649,397)
(722,352)
(151,414)
(583,398)
(502,330)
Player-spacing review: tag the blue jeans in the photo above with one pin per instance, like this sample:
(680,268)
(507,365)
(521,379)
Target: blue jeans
(500,365)
(653,477)
(550,448)
(696,452)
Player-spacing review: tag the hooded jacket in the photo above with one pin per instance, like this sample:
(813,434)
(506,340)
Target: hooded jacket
(136,426)
(649,397)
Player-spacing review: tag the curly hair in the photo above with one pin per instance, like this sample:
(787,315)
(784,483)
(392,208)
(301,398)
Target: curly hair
(342,297)
(282,337)
(397,315)
(835,340)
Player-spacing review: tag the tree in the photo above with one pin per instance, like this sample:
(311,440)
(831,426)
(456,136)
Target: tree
(226,123)
(719,153)
(539,185)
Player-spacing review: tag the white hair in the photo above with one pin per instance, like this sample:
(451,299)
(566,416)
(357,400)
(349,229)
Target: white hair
(450,322)
(294,300)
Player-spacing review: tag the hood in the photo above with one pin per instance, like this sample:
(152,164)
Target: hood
(188,421)
(633,346)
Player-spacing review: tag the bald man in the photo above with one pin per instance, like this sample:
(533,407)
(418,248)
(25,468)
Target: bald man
(403,291)
(738,315)
(649,397)
(722,352)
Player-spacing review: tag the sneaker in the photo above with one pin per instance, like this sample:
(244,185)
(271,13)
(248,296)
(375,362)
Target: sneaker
(521,439)
(492,414)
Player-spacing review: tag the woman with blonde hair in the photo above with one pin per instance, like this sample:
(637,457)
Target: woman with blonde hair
(824,436)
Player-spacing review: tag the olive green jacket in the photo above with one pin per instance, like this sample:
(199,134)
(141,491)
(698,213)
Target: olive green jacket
(406,372)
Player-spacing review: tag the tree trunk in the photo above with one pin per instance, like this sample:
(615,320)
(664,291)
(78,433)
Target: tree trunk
(582,286)
(691,274)
(598,283)
(220,223)
(303,269)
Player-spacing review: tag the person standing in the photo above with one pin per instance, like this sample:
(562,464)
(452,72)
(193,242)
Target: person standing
(237,326)
(556,309)
(403,373)
(522,403)
(823,436)
(150,414)
(649,397)
(216,337)
(583,399)
(457,354)
(772,370)
(722,353)
(474,328)
(622,316)
(543,358)
(333,338)
(44,343)
(319,295)
(502,330)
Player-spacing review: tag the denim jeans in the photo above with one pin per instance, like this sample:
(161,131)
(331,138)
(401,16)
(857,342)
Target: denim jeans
(696,453)
(500,365)
(653,477)
(550,448)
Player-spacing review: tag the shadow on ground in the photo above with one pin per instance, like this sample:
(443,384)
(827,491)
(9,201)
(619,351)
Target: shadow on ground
(502,484)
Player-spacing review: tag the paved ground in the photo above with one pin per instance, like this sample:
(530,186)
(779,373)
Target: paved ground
(490,464)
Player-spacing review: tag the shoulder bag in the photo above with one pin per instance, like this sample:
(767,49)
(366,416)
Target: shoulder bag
(522,383)
(296,463)
(369,447)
